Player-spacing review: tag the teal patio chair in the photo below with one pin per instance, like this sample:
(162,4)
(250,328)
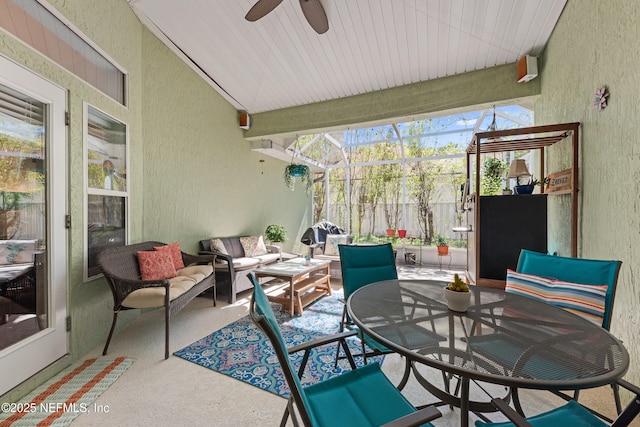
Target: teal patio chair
(361,397)
(571,414)
(575,270)
(363,265)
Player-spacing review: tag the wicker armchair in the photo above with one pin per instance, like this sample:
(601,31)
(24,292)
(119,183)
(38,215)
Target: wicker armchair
(120,268)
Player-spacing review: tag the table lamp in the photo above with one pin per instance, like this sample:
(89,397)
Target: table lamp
(518,169)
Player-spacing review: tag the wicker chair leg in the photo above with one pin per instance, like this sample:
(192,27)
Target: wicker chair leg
(113,327)
(166,332)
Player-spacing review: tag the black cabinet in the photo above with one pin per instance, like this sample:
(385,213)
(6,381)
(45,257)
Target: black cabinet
(503,226)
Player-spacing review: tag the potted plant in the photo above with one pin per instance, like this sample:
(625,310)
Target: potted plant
(457,294)
(295,171)
(506,191)
(528,188)
(276,233)
(441,243)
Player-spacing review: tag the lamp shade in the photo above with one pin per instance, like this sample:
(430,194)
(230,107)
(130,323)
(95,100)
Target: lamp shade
(518,168)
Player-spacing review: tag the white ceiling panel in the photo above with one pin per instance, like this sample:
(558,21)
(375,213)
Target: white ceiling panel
(279,61)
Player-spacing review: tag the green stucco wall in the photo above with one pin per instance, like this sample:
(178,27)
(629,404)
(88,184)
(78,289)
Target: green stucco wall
(595,44)
(201,178)
(192,173)
(89,304)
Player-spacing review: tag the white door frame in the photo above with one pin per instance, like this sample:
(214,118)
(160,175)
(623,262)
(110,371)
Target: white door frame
(24,359)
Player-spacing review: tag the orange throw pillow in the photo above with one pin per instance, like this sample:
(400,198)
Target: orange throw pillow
(174,250)
(156,265)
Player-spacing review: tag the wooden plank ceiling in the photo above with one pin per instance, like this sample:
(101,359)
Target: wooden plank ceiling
(279,61)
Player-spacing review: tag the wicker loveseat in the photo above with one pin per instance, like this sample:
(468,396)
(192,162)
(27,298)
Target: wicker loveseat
(233,265)
(122,271)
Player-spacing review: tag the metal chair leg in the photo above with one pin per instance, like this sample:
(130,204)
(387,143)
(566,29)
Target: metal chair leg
(407,372)
(285,416)
(616,397)
(516,401)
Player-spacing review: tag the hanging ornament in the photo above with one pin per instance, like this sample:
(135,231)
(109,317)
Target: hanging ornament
(600,98)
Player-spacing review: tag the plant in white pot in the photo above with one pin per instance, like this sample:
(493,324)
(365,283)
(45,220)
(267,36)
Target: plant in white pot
(457,294)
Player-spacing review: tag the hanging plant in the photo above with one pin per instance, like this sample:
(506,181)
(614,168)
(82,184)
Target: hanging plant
(296,171)
(493,171)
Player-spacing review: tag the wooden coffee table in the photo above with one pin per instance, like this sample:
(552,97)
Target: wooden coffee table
(307,283)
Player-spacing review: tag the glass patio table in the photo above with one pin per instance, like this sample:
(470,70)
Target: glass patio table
(502,338)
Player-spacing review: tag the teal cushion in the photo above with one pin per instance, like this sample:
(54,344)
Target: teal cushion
(364,397)
(576,270)
(587,301)
(571,414)
(362,265)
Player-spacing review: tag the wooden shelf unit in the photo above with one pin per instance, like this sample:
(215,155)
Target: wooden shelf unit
(529,138)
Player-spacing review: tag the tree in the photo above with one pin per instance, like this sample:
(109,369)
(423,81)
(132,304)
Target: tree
(319,198)
(423,175)
(19,180)
(391,177)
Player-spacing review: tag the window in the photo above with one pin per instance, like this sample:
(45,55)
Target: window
(107,186)
(46,31)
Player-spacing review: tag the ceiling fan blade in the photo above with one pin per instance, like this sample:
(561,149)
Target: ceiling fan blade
(315,14)
(260,9)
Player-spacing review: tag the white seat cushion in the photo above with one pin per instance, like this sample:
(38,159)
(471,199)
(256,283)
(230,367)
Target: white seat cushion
(245,262)
(268,258)
(186,279)
(329,257)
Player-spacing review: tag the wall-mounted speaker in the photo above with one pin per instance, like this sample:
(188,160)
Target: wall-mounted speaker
(527,68)
(244,120)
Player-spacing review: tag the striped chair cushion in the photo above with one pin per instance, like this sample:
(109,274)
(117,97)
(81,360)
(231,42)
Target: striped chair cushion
(586,301)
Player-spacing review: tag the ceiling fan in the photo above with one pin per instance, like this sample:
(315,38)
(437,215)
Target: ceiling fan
(312,10)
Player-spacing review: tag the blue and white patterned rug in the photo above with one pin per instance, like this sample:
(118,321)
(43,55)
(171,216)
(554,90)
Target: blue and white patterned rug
(240,350)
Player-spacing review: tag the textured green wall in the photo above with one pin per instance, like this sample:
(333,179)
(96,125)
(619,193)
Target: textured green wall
(192,174)
(201,178)
(595,44)
(89,304)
